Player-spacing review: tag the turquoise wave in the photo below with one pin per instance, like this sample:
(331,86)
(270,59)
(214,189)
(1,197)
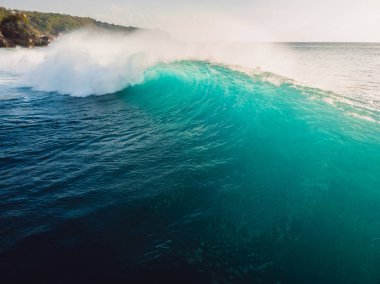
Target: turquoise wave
(257,142)
(200,170)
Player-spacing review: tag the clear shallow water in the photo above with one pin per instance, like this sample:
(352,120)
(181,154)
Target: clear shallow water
(200,174)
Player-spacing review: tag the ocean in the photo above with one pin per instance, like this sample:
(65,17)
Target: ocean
(165,163)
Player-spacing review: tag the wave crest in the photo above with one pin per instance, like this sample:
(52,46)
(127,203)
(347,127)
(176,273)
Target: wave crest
(85,63)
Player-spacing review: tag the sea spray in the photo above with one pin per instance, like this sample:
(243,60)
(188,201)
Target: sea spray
(85,63)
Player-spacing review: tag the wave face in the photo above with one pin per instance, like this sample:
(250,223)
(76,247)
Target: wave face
(198,173)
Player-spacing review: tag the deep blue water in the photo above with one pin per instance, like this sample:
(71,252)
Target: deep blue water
(200,174)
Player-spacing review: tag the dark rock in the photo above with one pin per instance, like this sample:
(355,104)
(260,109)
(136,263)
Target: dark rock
(5,43)
(44,40)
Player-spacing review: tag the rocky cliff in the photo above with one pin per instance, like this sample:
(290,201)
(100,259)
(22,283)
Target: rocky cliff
(29,29)
(16,30)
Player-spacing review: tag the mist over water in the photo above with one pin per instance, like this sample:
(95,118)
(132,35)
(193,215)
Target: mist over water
(132,159)
(93,62)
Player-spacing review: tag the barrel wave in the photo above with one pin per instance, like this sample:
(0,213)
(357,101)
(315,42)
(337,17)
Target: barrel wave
(198,174)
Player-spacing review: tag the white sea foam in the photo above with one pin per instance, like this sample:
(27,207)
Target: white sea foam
(81,64)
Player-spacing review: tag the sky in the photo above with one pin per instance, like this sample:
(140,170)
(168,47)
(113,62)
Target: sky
(239,20)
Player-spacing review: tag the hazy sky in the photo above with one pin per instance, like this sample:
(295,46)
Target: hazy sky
(247,20)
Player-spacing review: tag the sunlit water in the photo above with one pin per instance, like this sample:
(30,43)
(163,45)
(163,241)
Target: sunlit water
(197,174)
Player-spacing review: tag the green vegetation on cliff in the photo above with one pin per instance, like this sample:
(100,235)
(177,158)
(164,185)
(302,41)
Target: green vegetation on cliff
(54,24)
(3,13)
